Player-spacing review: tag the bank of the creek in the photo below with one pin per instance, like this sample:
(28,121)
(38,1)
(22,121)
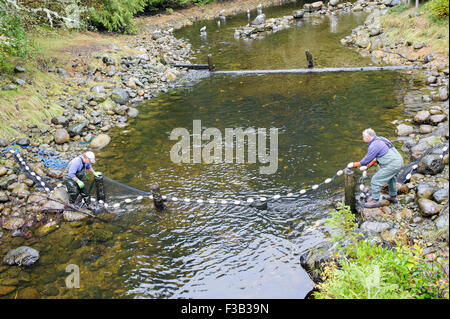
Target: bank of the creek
(124,106)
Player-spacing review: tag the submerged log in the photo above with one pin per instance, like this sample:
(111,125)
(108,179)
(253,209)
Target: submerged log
(317,70)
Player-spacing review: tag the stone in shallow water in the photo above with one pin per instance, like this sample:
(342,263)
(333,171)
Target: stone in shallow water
(71,216)
(13,223)
(22,256)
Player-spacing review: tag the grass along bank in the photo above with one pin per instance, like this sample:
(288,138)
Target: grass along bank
(418,26)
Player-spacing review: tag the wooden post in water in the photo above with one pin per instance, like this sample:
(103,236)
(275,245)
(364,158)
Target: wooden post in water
(309,57)
(211,66)
(350,188)
(157,197)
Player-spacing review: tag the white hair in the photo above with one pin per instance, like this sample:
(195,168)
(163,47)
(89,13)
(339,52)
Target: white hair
(369,133)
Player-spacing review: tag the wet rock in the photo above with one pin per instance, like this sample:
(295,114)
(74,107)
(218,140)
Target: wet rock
(52,207)
(121,109)
(260,19)
(120,96)
(132,112)
(22,256)
(431,164)
(424,190)
(55,173)
(334,3)
(20,190)
(76,129)
(6,290)
(443,93)
(100,141)
(316,5)
(422,117)
(418,150)
(13,223)
(428,207)
(314,259)
(362,43)
(61,136)
(47,229)
(403,130)
(28,293)
(425,129)
(71,216)
(60,194)
(441,196)
(438,118)
(298,14)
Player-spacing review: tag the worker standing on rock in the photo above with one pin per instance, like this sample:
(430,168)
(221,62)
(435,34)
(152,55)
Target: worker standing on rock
(382,151)
(76,174)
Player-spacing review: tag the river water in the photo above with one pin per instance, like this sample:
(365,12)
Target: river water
(201,251)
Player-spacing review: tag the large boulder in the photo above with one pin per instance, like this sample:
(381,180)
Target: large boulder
(22,256)
(61,136)
(441,195)
(13,223)
(403,130)
(76,129)
(424,190)
(422,117)
(100,141)
(430,164)
(120,96)
(428,207)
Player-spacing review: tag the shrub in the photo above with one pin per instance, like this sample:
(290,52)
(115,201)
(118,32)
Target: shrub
(371,271)
(437,9)
(399,8)
(115,15)
(14,40)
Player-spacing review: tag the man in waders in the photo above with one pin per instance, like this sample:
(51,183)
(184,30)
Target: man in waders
(75,175)
(382,151)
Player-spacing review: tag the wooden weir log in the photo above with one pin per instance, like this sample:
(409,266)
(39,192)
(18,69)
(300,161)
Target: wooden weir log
(317,70)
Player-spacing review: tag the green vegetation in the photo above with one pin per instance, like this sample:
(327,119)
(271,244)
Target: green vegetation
(371,271)
(437,9)
(14,40)
(429,27)
(115,15)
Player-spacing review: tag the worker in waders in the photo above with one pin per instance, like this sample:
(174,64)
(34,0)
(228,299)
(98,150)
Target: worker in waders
(75,174)
(382,151)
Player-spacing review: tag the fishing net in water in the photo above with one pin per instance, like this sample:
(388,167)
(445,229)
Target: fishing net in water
(114,190)
(411,168)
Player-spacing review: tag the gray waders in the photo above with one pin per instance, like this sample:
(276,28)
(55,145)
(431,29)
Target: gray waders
(390,165)
(74,190)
